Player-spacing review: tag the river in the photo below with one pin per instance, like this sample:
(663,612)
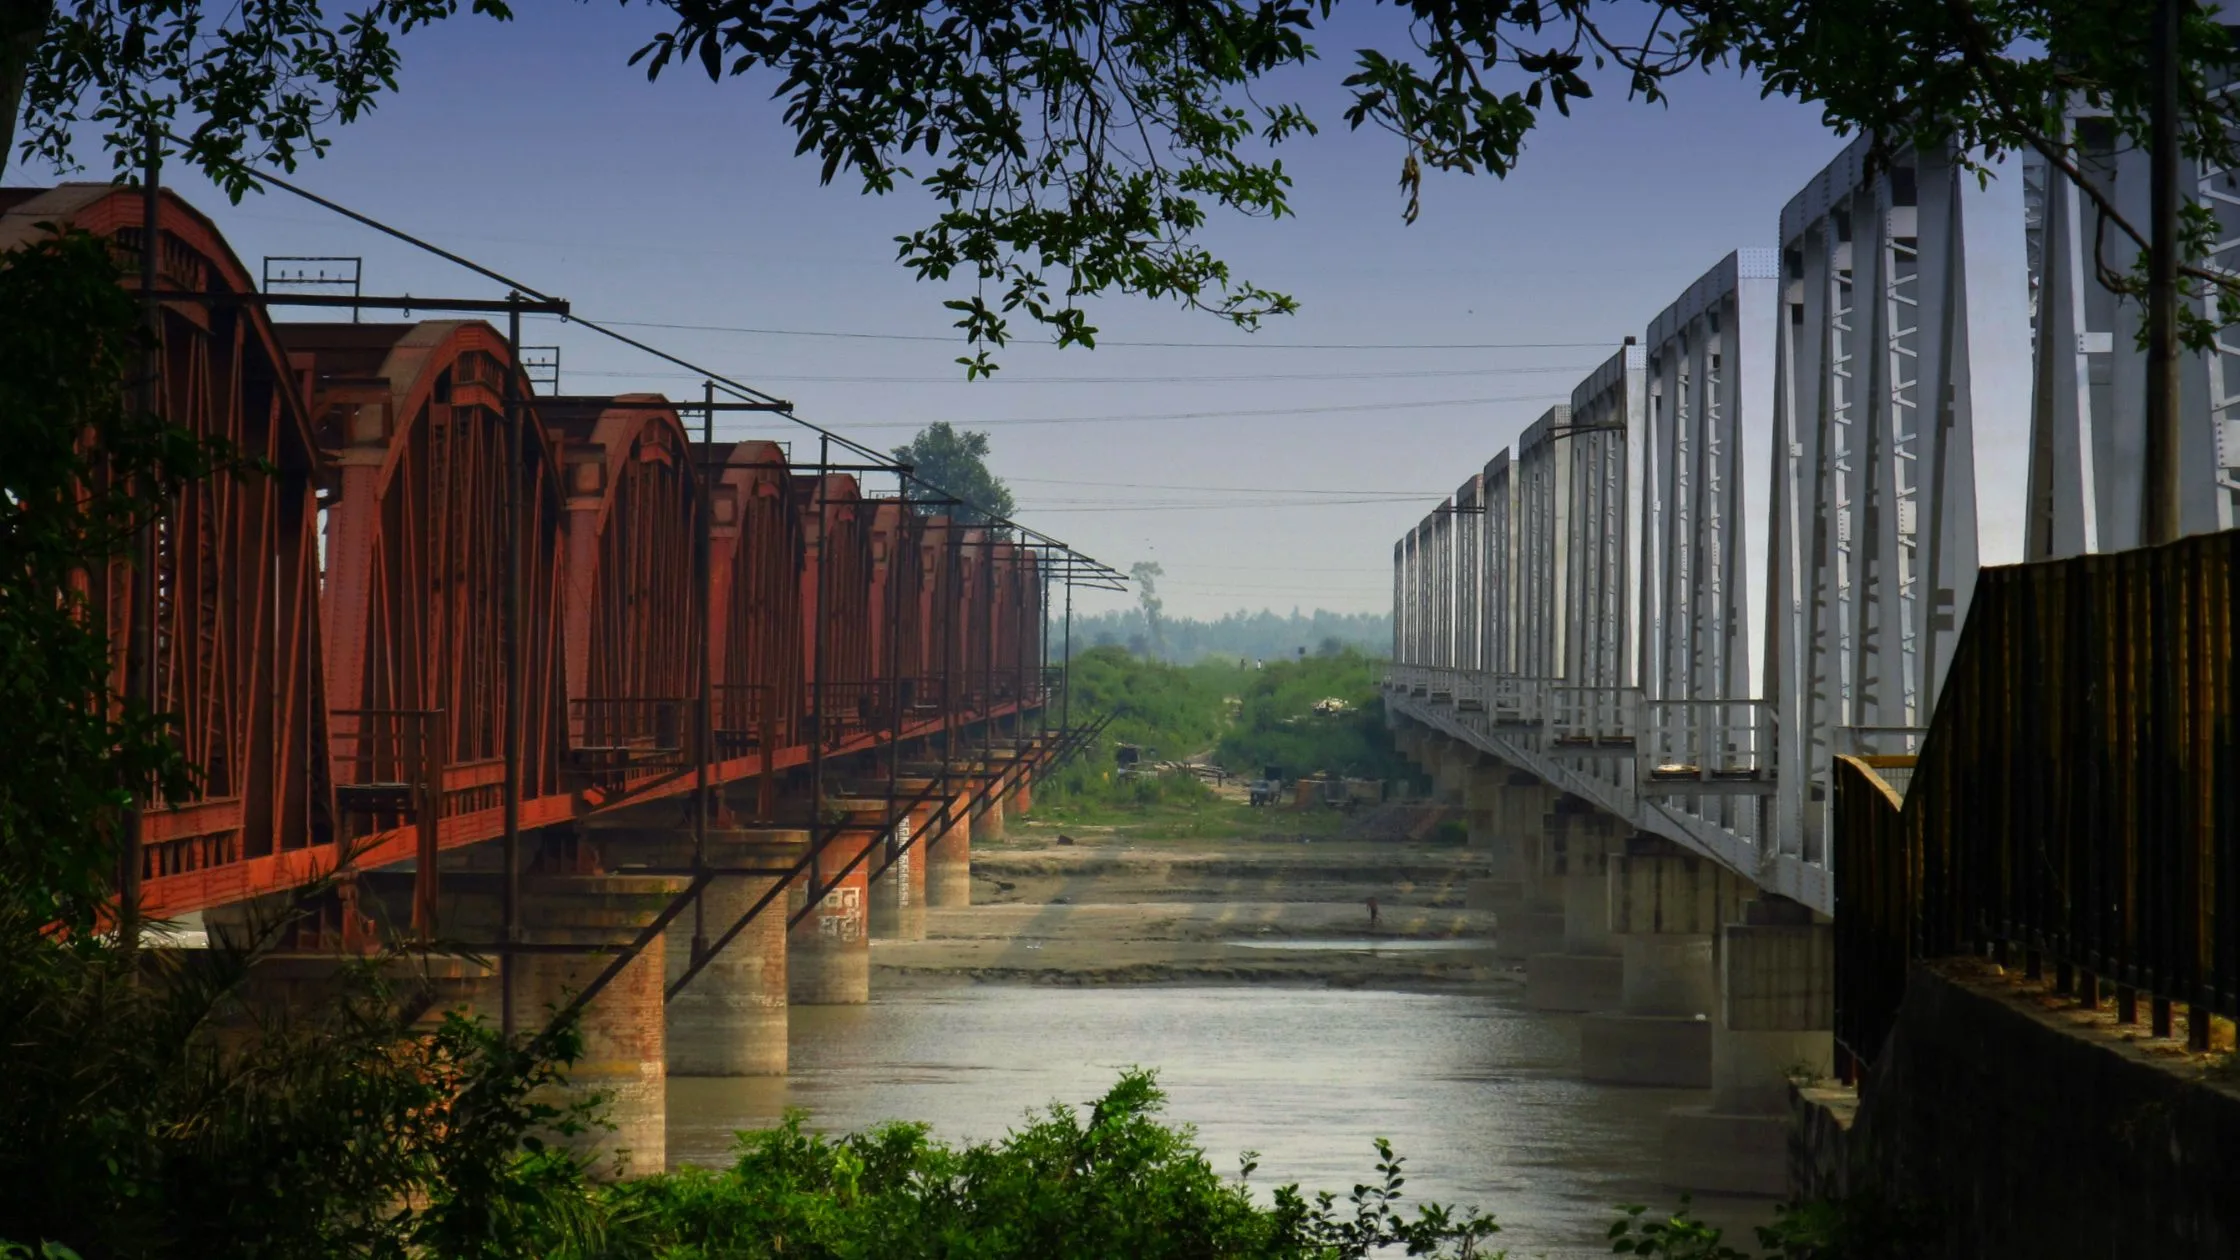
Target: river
(1481,1096)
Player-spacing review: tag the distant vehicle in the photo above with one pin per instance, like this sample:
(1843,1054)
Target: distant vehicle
(1330,706)
(1262,792)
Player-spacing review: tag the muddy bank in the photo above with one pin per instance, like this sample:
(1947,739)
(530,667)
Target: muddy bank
(1111,910)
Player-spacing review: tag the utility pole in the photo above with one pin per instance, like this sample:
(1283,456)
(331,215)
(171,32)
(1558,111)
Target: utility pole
(517,455)
(703,717)
(2158,499)
(140,652)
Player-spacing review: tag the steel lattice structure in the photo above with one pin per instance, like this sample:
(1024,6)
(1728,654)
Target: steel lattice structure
(336,637)
(234,621)
(1749,545)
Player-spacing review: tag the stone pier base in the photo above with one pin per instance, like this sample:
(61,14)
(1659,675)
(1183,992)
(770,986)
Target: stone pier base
(1725,1153)
(949,860)
(1573,982)
(731,1019)
(1520,934)
(898,897)
(829,951)
(1616,1048)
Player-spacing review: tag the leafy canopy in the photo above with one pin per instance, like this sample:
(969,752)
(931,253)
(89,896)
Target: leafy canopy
(1078,149)
(76,752)
(1111,1181)
(957,461)
(237,85)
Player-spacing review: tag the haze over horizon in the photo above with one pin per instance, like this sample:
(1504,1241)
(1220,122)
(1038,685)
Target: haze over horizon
(679,208)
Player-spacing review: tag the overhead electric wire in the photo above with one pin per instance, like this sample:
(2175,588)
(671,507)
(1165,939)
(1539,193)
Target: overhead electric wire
(1131,344)
(1226,378)
(1330,409)
(1147,485)
(735,388)
(1230,505)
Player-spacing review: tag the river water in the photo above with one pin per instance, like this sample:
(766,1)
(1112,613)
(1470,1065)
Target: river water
(1482,1097)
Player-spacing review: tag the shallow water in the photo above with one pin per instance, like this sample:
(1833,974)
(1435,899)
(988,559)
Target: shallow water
(1365,944)
(1482,1097)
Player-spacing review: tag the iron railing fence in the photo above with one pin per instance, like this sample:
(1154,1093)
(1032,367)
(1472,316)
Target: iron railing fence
(2075,803)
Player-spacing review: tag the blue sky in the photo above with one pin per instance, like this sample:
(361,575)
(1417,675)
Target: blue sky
(533,147)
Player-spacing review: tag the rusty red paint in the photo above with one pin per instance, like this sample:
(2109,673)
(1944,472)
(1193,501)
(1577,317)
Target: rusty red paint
(332,634)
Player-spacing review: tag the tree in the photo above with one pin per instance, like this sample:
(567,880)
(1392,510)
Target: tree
(236,86)
(76,753)
(956,461)
(1078,149)
(1146,574)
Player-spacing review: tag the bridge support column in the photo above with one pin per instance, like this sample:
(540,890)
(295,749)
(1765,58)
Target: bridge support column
(1481,803)
(731,1020)
(1664,908)
(949,860)
(828,952)
(1586,974)
(624,1028)
(987,824)
(1533,922)
(1775,1023)
(898,897)
(1450,765)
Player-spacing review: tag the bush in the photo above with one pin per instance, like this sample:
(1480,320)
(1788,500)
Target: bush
(1114,1182)
(1277,723)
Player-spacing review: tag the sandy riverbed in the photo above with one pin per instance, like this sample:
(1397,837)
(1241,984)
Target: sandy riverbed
(1110,909)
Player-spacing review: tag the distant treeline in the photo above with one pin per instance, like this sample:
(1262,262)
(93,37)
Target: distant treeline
(1259,636)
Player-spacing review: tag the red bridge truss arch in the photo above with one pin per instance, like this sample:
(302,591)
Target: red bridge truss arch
(339,638)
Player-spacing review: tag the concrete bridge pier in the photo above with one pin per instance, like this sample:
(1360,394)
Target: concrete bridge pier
(987,820)
(898,897)
(949,854)
(1450,762)
(1664,909)
(1530,922)
(1775,1025)
(1587,973)
(574,912)
(731,1020)
(828,953)
(624,1028)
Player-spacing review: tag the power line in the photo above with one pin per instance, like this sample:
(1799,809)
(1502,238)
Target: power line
(1143,485)
(1200,379)
(1261,505)
(736,389)
(835,334)
(1415,405)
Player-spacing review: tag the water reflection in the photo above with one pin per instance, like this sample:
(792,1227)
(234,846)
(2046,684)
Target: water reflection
(1483,1098)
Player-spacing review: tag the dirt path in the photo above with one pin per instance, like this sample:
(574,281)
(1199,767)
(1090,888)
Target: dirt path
(1108,909)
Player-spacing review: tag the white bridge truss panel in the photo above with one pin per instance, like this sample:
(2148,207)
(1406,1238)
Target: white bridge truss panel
(1498,584)
(1401,606)
(1441,551)
(1469,572)
(1901,376)
(1925,377)
(1710,385)
(1604,429)
(1544,536)
(2087,446)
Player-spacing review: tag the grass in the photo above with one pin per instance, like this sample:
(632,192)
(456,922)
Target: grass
(1185,815)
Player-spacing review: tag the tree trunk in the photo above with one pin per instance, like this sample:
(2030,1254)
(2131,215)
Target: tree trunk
(22,22)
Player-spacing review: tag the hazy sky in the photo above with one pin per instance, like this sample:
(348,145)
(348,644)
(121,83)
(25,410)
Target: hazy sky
(534,148)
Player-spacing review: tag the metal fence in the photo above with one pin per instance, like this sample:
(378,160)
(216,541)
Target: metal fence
(2076,803)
